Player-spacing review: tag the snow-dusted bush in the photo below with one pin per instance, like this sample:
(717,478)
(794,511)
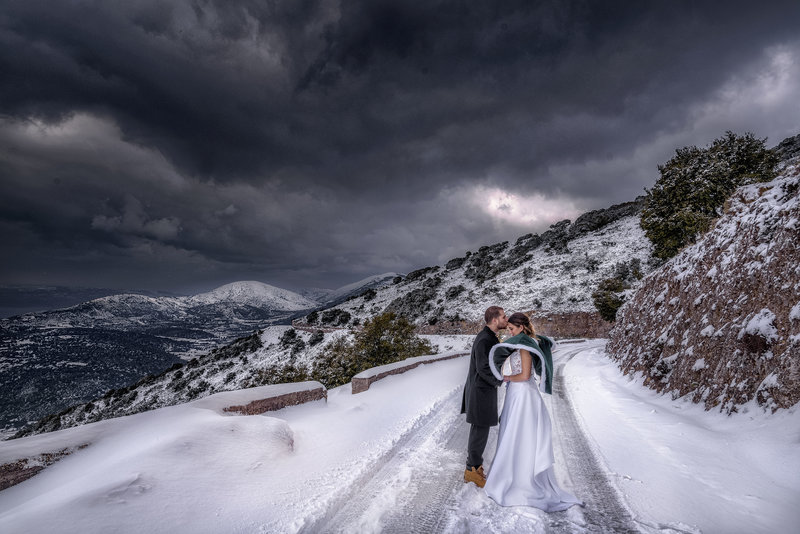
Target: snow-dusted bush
(608,298)
(695,184)
(386,338)
(610,292)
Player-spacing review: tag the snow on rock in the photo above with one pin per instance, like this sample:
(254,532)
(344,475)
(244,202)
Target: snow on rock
(794,314)
(741,322)
(761,324)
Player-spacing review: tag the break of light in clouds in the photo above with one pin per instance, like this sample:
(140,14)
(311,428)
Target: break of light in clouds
(178,146)
(533,211)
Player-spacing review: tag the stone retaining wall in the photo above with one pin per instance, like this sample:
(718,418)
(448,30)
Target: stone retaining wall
(21,470)
(552,324)
(270,404)
(571,324)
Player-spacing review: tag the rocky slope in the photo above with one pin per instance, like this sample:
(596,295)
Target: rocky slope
(720,322)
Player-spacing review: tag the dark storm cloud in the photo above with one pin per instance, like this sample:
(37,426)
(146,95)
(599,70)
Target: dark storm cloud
(195,142)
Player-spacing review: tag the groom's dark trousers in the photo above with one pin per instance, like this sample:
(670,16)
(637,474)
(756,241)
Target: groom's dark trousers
(478,436)
(480,396)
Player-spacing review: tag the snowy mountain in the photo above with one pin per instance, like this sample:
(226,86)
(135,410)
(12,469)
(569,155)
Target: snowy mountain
(56,359)
(273,355)
(21,299)
(555,272)
(256,294)
(51,360)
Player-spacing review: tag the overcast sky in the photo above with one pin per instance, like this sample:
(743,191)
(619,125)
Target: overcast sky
(179,145)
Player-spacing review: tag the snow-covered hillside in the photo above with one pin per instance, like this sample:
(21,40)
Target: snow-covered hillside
(331,297)
(554,272)
(51,360)
(720,322)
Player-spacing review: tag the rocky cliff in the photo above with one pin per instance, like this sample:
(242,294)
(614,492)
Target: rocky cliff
(720,322)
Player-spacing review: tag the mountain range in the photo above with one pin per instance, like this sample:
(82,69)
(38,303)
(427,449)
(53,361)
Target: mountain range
(53,359)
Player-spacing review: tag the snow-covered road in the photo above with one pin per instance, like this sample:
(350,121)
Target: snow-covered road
(417,487)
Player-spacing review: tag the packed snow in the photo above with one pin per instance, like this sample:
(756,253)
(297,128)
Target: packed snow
(193,468)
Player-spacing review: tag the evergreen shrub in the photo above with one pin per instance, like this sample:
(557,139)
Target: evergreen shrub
(694,185)
(386,338)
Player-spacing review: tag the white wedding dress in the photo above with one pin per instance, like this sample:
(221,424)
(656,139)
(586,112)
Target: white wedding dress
(522,471)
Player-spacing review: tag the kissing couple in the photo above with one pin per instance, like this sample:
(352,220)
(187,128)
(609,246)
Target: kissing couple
(522,471)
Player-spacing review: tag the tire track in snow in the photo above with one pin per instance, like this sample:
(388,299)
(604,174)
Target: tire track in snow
(604,510)
(386,498)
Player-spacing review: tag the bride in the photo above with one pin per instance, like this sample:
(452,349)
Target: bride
(522,471)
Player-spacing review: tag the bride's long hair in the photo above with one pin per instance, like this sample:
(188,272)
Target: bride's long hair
(520,319)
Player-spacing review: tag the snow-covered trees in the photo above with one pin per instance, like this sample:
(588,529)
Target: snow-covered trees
(695,184)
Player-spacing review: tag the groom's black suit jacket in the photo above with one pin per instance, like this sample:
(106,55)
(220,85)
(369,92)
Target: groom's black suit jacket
(480,392)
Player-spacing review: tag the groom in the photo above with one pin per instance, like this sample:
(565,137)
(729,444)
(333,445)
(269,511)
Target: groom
(480,394)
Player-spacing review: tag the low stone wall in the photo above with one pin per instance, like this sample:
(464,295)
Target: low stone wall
(362,381)
(271,404)
(21,470)
(297,325)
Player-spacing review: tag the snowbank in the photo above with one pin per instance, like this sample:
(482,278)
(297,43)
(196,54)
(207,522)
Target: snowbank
(683,467)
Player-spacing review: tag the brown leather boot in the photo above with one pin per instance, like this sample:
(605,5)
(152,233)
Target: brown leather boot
(476,476)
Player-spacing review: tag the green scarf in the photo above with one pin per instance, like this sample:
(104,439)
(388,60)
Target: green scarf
(540,347)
